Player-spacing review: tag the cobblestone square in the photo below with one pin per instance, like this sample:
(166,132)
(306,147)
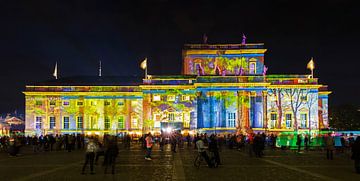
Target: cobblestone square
(131,165)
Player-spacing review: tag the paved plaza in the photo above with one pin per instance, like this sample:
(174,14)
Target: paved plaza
(131,165)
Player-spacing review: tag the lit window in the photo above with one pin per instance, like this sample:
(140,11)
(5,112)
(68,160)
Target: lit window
(38,122)
(38,103)
(231,119)
(66,123)
(273,118)
(121,123)
(121,103)
(288,118)
(156,98)
(252,68)
(52,122)
(52,103)
(107,103)
(80,124)
(171,98)
(107,123)
(66,103)
(185,98)
(93,103)
(186,124)
(79,103)
(303,120)
(303,98)
(171,116)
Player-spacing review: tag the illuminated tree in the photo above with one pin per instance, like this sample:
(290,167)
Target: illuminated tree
(278,93)
(295,95)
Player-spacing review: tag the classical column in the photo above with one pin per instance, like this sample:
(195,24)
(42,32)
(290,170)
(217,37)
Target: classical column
(265,122)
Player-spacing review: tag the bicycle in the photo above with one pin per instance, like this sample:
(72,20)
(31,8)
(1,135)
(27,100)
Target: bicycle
(198,160)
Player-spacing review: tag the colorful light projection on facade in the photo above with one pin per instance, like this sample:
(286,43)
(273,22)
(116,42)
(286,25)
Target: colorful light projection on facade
(224,88)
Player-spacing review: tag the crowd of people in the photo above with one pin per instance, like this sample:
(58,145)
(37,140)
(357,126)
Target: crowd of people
(209,147)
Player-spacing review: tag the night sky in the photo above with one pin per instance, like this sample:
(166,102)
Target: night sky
(77,34)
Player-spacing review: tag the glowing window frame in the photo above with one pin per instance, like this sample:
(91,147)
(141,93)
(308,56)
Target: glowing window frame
(252,62)
(68,122)
(156,97)
(171,98)
(52,122)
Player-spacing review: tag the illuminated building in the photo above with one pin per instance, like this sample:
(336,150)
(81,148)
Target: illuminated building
(222,88)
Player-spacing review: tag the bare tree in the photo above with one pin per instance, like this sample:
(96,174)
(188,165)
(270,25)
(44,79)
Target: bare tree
(278,93)
(296,101)
(312,99)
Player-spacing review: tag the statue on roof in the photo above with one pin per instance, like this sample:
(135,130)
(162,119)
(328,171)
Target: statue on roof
(243,42)
(205,38)
(265,70)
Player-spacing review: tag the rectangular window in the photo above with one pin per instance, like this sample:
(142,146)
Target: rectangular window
(288,118)
(156,98)
(171,98)
(186,124)
(252,68)
(121,103)
(303,120)
(303,98)
(52,122)
(38,122)
(38,103)
(52,103)
(66,123)
(231,119)
(171,116)
(121,123)
(66,103)
(107,103)
(80,103)
(80,123)
(107,123)
(273,118)
(185,98)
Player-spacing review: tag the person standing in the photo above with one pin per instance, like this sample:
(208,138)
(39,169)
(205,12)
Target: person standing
(89,156)
(329,147)
(111,154)
(173,142)
(306,142)
(356,154)
(213,147)
(149,144)
(298,142)
(202,150)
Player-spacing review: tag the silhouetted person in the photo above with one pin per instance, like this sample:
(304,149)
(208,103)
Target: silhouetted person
(89,156)
(329,147)
(112,152)
(356,154)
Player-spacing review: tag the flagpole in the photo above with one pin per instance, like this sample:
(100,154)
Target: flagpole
(312,73)
(146,71)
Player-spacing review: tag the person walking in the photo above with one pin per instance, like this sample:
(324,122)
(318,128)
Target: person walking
(89,156)
(356,154)
(329,147)
(112,152)
(298,142)
(213,147)
(202,150)
(149,144)
(306,142)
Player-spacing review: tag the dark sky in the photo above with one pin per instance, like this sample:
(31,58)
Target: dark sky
(77,34)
